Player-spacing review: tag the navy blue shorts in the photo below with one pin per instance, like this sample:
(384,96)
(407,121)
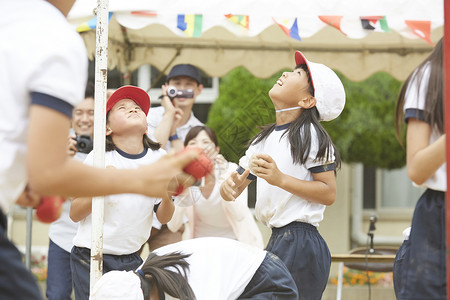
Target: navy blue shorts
(306,255)
(272,280)
(80,262)
(420,269)
(16,281)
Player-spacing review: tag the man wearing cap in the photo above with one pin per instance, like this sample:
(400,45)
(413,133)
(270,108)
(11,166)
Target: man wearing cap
(169,124)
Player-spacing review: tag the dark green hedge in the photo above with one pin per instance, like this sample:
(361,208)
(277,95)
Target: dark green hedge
(364,132)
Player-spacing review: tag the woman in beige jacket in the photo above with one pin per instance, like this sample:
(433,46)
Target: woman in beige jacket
(208,215)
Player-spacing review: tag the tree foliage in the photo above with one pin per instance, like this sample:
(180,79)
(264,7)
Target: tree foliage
(364,132)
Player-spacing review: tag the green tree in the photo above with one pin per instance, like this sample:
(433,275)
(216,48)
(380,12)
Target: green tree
(364,132)
(243,105)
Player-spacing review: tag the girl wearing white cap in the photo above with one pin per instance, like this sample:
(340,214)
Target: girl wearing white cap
(295,161)
(128,217)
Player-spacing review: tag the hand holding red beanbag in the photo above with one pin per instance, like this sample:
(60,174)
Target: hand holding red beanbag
(198,168)
(49,209)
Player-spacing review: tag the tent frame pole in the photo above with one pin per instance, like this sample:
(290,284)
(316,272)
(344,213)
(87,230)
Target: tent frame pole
(101,71)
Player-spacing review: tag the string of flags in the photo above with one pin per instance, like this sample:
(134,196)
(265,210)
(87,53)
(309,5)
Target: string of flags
(191,25)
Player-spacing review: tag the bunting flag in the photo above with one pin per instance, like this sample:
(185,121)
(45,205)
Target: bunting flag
(334,21)
(241,20)
(289,27)
(91,24)
(145,13)
(422,29)
(191,25)
(375,23)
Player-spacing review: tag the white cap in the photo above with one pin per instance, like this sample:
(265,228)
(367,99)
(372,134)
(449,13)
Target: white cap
(328,89)
(406,233)
(116,285)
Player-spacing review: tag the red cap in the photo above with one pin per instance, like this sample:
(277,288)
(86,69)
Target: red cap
(300,59)
(131,92)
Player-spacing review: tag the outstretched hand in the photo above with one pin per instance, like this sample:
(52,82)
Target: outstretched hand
(160,177)
(231,188)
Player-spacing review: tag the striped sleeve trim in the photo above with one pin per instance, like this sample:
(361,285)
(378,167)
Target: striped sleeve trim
(250,176)
(323,168)
(52,102)
(414,113)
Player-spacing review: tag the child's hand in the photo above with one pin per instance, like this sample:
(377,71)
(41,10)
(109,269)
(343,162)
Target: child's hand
(229,189)
(155,178)
(265,167)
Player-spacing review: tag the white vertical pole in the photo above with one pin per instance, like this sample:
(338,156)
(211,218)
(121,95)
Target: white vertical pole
(99,137)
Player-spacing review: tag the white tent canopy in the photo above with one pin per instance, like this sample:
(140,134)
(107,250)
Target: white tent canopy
(146,32)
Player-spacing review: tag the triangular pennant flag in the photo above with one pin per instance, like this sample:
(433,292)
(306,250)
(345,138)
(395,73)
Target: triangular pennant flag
(190,24)
(145,13)
(241,20)
(375,23)
(289,27)
(422,29)
(91,24)
(334,21)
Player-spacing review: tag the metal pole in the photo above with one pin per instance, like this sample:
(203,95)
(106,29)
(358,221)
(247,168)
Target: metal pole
(99,137)
(28,241)
(446,87)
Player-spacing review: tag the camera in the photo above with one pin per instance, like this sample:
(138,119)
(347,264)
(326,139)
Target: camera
(173,92)
(84,143)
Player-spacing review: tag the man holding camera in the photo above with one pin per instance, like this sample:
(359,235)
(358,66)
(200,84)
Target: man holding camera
(169,124)
(63,230)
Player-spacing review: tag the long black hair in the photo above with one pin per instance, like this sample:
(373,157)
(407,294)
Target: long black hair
(148,143)
(168,273)
(299,133)
(434,104)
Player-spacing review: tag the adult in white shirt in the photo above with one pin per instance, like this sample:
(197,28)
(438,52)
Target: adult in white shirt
(208,213)
(169,124)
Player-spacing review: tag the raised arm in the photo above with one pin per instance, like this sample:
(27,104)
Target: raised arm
(52,172)
(80,208)
(165,210)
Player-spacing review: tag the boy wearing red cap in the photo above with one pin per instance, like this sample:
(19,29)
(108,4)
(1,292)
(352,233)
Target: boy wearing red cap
(128,217)
(295,163)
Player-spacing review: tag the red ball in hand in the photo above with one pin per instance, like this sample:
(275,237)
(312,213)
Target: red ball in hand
(199,167)
(49,209)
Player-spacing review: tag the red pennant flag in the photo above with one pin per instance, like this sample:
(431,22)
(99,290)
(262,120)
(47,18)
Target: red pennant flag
(334,21)
(147,13)
(422,29)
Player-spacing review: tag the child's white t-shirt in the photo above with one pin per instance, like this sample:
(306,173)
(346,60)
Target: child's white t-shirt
(41,53)
(276,207)
(220,268)
(415,103)
(127,217)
